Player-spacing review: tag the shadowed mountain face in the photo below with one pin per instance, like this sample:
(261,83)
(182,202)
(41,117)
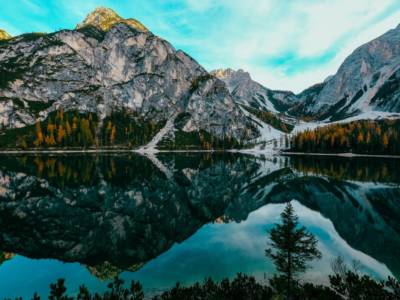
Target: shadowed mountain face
(116,213)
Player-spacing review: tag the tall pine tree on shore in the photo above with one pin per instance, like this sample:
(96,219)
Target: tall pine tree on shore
(291,247)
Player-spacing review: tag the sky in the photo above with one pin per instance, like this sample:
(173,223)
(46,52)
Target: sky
(283,44)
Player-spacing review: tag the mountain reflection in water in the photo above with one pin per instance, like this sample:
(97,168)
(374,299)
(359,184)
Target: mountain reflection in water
(182,217)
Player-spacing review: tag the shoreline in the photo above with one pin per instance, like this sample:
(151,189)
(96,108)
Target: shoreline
(91,151)
(346,154)
(155,151)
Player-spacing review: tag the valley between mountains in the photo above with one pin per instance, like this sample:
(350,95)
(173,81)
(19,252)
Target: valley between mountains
(112,84)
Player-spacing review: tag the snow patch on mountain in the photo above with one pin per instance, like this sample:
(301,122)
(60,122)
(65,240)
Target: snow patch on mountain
(371,115)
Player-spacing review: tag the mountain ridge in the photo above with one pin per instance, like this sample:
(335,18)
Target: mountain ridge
(105,18)
(119,70)
(367,80)
(109,65)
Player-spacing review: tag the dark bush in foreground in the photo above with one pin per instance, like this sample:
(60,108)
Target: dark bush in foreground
(349,285)
(241,288)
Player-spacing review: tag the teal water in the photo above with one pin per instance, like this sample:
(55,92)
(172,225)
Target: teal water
(182,218)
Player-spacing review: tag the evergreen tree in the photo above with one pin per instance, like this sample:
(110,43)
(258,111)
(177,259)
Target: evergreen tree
(291,247)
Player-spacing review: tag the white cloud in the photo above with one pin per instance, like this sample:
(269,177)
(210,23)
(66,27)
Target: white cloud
(250,33)
(277,78)
(327,22)
(283,44)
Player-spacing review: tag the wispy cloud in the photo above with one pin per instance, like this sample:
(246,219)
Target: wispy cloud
(283,44)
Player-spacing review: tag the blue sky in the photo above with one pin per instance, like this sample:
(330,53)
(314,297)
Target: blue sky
(283,44)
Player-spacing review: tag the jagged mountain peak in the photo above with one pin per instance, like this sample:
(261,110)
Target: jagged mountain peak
(250,93)
(107,72)
(4,35)
(104,18)
(229,73)
(368,80)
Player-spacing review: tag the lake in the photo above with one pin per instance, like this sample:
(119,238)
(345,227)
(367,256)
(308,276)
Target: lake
(182,217)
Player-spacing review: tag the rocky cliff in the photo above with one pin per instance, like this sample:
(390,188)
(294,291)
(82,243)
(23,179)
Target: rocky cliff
(368,80)
(110,65)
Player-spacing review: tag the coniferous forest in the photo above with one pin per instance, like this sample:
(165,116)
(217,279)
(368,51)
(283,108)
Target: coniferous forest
(82,130)
(270,119)
(122,130)
(361,137)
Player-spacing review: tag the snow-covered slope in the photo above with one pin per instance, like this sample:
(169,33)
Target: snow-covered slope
(368,80)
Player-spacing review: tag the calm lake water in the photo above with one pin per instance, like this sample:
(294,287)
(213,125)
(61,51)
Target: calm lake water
(183,217)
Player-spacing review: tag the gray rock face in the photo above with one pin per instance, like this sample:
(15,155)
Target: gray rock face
(368,80)
(91,70)
(250,93)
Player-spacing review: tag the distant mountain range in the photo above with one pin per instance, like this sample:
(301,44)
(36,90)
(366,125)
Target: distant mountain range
(135,90)
(368,80)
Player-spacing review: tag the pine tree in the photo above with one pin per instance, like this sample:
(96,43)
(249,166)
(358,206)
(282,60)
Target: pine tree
(291,247)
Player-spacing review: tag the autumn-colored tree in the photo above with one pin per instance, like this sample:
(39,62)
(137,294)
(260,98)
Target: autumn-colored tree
(385,140)
(360,138)
(49,140)
(372,137)
(60,134)
(112,135)
(75,123)
(39,135)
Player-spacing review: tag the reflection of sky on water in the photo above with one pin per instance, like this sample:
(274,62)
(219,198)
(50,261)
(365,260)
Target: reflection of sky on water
(216,250)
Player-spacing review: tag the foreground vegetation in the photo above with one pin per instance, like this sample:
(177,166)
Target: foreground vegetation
(291,246)
(363,137)
(343,285)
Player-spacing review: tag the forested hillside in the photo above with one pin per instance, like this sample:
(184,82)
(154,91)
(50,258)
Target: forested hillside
(364,137)
(72,130)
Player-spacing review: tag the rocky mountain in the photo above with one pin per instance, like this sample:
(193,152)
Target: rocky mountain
(111,82)
(246,91)
(368,80)
(105,18)
(109,65)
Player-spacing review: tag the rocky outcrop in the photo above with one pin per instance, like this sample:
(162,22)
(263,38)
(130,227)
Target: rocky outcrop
(105,18)
(250,93)
(367,80)
(4,35)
